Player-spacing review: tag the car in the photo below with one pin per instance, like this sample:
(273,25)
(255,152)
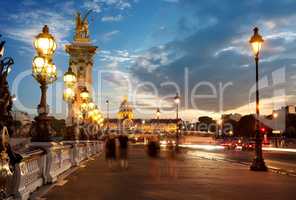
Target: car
(248,146)
(229,145)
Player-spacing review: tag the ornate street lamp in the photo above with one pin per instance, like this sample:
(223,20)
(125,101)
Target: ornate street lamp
(44,71)
(107,103)
(258,164)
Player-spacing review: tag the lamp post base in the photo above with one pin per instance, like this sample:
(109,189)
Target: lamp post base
(42,130)
(258,165)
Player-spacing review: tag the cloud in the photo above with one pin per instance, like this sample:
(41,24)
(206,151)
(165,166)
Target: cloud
(112,18)
(27,24)
(93,5)
(154,58)
(107,36)
(99,5)
(219,52)
(172,1)
(119,4)
(117,59)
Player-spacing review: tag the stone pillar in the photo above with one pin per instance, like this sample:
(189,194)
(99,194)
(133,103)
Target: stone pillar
(81,61)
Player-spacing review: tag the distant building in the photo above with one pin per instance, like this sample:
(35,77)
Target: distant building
(278,120)
(147,125)
(126,122)
(235,117)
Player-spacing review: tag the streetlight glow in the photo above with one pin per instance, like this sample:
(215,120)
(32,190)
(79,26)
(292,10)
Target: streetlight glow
(69,94)
(275,115)
(158,113)
(70,78)
(256,42)
(45,43)
(84,94)
(177,99)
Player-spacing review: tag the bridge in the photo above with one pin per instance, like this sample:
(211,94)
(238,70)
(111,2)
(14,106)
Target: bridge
(188,175)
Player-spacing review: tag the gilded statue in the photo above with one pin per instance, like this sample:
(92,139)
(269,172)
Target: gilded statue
(82,31)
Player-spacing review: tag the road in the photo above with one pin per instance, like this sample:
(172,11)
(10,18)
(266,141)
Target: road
(285,161)
(182,176)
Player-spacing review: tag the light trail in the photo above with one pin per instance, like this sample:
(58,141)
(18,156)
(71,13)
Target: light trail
(207,147)
(279,149)
(210,147)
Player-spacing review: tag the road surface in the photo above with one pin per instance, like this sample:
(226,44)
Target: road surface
(184,176)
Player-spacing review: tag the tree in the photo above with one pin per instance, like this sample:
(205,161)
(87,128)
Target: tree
(205,123)
(246,126)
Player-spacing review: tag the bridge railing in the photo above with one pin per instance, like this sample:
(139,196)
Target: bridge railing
(29,174)
(46,163)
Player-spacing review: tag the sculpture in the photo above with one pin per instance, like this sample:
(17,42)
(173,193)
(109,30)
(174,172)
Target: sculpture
(7,157)
(82,31)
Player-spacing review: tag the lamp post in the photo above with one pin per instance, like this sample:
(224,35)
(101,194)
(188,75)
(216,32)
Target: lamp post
(69,92)
(220,121)
(177,102)
(107,103)
(85,96)
(274,117)
(70,97)
(157,117)
(44,71)
(84,108)
(258,162)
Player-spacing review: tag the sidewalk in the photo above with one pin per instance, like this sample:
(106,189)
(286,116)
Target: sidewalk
(184,178)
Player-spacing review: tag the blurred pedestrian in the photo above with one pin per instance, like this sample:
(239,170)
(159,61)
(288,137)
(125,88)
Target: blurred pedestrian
(110,150)
(123,150)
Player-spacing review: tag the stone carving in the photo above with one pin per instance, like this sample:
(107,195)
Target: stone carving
(5,172)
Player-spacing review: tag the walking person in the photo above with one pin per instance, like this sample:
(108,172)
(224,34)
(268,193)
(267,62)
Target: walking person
(110,150)
(123,149)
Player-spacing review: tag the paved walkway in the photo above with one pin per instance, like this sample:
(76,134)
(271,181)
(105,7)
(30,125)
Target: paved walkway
(183,178)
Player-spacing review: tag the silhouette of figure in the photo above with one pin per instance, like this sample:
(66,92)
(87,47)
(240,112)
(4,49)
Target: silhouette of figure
(123,149)
(110,150)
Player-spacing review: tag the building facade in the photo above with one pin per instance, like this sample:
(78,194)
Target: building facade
(125,122)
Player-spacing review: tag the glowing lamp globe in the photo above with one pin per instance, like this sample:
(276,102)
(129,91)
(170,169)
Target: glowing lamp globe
(256,42)
(44,42)
(70,78)
(38,65)
(83,107)
(69,94)
(91,106)
(84,94)
(177,99)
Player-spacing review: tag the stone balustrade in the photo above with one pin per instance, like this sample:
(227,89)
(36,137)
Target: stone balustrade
(28,175)
(45,162)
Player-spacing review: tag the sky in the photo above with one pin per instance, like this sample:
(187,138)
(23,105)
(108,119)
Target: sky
(149,50)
